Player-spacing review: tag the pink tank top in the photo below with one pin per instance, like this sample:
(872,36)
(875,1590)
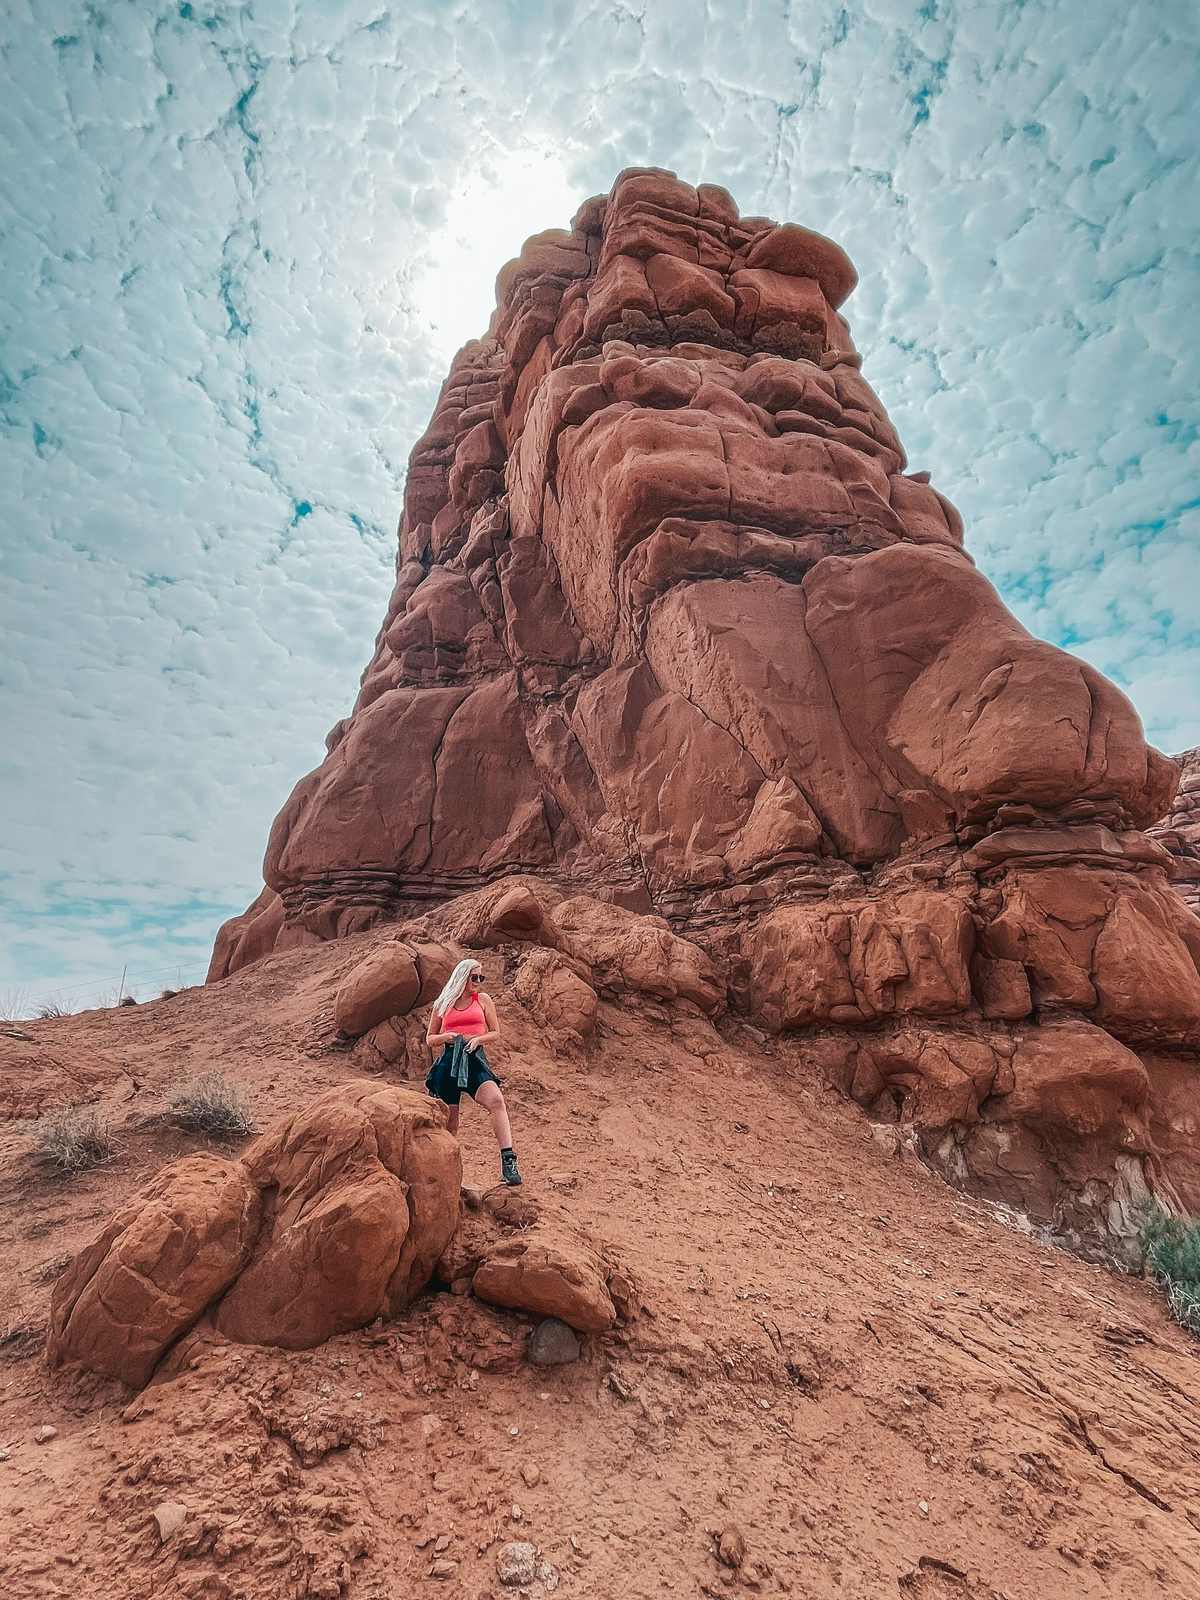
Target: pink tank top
(470,1021)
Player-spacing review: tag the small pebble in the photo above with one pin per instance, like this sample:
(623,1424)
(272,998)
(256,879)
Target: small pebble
(443,1569)
(513,1432)
(516,1513)
(170,1517)
(44,1434)
(923,1507)
(531,1474)
(516,1565)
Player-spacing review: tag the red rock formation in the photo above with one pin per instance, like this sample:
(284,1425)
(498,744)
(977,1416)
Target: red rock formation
(336,1216)
(673,627)
(1179,830)
(331,1219)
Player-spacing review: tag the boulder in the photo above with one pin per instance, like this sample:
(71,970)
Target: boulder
(389,982)
(854,961)
(1070,1077)
(556,996)
(164,1257)
(550,1273)
(624,950)
(332,1218)
(365,1187)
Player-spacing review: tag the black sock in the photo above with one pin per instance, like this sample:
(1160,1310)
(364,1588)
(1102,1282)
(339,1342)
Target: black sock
(506,1150)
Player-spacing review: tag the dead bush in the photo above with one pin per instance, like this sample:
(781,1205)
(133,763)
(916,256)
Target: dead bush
(213,1106)
(72,1141)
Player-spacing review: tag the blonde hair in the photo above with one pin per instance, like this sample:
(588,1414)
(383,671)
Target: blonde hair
(455,984)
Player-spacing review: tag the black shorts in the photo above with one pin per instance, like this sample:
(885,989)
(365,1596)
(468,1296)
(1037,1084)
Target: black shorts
(441,1082)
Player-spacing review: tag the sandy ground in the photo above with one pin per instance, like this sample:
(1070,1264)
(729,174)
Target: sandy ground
(885,1391)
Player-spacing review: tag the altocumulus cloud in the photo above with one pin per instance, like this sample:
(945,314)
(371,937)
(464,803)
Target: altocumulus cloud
(241,241)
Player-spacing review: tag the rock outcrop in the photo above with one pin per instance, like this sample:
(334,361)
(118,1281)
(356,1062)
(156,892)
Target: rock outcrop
(679,642)
(338,1215)
(334,1217)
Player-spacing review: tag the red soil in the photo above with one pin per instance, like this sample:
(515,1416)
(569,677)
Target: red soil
(885,1389)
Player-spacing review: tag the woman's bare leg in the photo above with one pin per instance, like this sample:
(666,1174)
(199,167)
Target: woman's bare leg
(452,1119)
(492,1100)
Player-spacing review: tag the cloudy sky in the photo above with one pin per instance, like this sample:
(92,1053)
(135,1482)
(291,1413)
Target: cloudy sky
(242,240)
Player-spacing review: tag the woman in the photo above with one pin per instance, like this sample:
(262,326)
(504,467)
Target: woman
(463,1020)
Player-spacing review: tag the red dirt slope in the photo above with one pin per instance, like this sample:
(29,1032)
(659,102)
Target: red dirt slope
(886,1390)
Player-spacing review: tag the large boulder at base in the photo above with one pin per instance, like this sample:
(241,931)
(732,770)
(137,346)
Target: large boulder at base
(334,1217)
(164,1257)
(366,1185)
(624,950)
(1059,1120)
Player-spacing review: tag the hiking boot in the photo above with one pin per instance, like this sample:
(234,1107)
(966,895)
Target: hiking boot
(508,1168)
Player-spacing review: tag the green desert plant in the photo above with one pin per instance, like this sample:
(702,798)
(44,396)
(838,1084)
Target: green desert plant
(1172,1249)
(211,1105)
(73,1140)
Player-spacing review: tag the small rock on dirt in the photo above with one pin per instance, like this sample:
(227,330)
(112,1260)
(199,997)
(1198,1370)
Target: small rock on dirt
(618,1386)
(5,1455)
(170,1517)
(731,1546)
(531,1474)
(443,1569)
(548,1576)
(516,1564)
(44,1434)
(553,1344)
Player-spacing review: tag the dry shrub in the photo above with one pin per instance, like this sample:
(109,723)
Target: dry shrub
(211,1105)
(72,1141)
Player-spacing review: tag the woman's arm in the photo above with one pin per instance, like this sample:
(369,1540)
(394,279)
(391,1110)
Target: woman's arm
(432,1034)
(493,1024)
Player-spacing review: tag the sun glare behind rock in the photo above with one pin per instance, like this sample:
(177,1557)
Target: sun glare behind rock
(489,215)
